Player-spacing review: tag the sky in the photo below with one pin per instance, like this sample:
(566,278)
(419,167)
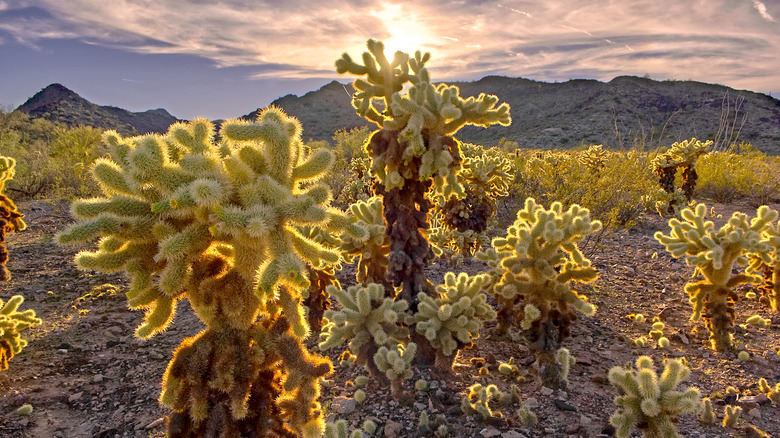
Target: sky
(223,59)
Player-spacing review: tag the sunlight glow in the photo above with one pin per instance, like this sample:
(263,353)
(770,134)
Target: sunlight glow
(408,32)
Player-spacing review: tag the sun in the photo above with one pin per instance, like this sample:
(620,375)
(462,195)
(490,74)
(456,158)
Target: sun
(407,32)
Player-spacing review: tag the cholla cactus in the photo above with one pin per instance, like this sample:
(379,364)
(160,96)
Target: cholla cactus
(372,251)
(771,392)
(713,253)
(594,158)
(11,323)
(339,430)
(536,262)
(769,267)
(368,320)
(216,223)
(413,150)
(648,403)
(681,155)
(10,217)
(478,400)
(453,319)
(396,363)
(316,302)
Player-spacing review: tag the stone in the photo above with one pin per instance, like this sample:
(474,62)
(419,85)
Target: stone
(545,391)
(343,405)
(392,429)
(532,403)
(512,434)
(490,432)
(754,413)
(562,405)
(75,397)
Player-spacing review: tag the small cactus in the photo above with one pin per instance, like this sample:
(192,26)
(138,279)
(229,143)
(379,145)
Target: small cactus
(731,415)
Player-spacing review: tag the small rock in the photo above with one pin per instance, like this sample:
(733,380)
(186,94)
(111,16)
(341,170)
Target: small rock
(343,405)
(392,429)
(512,434)
(562,405)
(97,378)
(545,391)
(601,379)
(155,423)
(754,400)
(490,432)
(532,403)
(680,336)
(584,361)
(419,406)
(24,422)
(754,413)
(573,428)
(75,397)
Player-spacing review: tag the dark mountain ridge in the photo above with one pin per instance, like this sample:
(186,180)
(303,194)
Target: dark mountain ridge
(624,112)
(59,104)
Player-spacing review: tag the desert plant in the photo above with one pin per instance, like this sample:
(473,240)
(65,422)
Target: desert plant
(594,158)
(536,263)
(413,150)
(339,430)
(768,266)
(215,223)
(681,155)
(12,321)
(738,173)
(714,253)
(368,320)
(650,403)
(478,400)
(453,319)
(731,415)
(396,363)
(371,252)
(10,216)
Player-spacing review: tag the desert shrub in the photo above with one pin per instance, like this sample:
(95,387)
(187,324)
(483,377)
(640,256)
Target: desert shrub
(52,160)
(351,180)
(740,172)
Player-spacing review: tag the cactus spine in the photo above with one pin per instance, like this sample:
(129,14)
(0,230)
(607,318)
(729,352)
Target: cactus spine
(413,150)
(535,263)
(713,254)
(650,403)
(215,223)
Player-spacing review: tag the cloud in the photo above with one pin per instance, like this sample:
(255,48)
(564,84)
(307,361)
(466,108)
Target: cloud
(550,40)
(761,8)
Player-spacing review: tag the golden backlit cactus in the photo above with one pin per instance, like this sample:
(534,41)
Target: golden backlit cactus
(10,216)
(768,267)
(594,157)
(453,318)
(218,223)
(714,254)
(371,251)
(12,321)
(413,150)
(649,403)
(535,264)
(682,155)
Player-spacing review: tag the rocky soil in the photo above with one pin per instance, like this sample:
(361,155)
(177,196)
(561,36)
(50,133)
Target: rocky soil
(87,376)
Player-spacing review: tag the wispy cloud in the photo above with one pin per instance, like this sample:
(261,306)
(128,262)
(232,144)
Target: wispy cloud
(762,10)
(468,38)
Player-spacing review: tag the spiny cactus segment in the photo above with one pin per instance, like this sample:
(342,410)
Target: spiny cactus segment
(10,216)
(649,403)
(372,251)
(396,363)
(535,264)
(714,253)
(218,223)
(368,320)
(768,267)
(454,318)
(12,321)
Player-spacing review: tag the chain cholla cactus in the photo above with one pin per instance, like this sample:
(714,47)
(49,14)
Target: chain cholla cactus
(768,268)
(650,403)
(594,158)
(413,150)
(372,251)
(216,223)
(477,401)
(368,320)
(396,363)
(536,262)
(681,155)
(12,321)
(10,217)
(714,253)
(453,320)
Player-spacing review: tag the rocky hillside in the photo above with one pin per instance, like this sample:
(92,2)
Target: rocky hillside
(59,104)
(620,113)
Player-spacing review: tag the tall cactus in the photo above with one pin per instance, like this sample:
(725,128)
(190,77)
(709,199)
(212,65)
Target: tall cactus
(413,150)
(769,267)
(10,217)
(535,263)
(714,253)
(187,217)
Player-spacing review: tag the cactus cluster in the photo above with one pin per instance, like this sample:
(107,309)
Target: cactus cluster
(714,253)
(535,264)
(413,150)
(594,158)
(769,267)
(681,155)
(650,403)
(12,321)
(216,222)
(368,320)
(479,398)
(372,251)
(454,318)
(10,216)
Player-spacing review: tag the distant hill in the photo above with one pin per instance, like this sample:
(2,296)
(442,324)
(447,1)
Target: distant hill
(617,113)
(59,104)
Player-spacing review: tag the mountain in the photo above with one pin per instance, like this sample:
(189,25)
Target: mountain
(618,113)
(59,104)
